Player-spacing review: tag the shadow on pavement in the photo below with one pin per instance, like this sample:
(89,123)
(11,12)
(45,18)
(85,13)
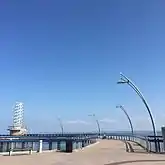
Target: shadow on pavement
(134,161)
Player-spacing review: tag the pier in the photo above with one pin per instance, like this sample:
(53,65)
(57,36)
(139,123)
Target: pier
(76,141)
(82,149)
(105,152)
(53,141)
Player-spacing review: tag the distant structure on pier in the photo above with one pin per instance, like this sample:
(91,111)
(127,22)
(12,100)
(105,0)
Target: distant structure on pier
(18,127)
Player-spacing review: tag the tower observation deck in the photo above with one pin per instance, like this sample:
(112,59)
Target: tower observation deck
(18,127)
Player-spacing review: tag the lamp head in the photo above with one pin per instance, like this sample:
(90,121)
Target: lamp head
(118,106)
(123,79)
(121,82)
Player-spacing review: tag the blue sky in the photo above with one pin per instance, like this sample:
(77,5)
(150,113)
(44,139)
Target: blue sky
(64,58)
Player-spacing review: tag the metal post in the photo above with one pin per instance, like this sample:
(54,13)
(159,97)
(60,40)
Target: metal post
(129,119)
(125,80)
(163,134)
(61,125)
(97,123)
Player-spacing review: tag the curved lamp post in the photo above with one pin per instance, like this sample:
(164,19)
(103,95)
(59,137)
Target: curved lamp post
(129,119)
(97,122)
(125,80)
(61,125)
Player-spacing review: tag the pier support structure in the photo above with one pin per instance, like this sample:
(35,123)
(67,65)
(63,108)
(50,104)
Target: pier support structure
(50,145)
(58,145)
(69,146)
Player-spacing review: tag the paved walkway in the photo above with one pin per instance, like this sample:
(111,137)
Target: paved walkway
(105,153)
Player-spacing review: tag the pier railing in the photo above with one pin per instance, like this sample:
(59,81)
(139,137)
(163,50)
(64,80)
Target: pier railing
(41,142)
(146,142)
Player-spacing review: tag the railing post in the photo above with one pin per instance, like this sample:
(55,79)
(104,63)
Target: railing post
(163,134)
(150,146)
(147,149)
(158,143)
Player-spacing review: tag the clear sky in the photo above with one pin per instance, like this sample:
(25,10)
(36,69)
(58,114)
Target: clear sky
(63,58)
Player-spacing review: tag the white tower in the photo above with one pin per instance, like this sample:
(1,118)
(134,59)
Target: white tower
(18,114)
(18,120)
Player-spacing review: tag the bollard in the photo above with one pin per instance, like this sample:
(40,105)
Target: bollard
(30,151)
(40,146)
(10,152)
(10,145)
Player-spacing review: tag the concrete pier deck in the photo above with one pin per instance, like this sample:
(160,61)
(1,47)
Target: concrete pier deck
(106,152)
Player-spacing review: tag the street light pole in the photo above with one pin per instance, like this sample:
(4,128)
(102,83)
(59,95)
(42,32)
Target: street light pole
(129,119)
(97,123)
(125,80)
(61,125)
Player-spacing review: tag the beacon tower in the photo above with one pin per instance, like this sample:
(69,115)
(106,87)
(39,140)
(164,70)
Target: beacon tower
(18,127)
